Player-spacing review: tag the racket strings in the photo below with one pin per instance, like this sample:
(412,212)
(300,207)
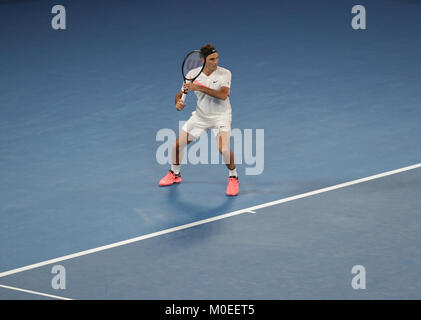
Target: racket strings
(192,62)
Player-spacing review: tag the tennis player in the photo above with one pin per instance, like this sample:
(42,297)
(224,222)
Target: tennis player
(213,111)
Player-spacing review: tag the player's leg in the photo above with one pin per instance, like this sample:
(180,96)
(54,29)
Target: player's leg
(191,129)
(177,153)
(225,150)
(228,158)
(183,139)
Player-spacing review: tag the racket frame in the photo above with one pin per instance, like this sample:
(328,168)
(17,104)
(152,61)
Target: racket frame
(183,96)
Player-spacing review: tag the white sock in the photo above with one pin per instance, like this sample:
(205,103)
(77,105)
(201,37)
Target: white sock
(233,173)
(175,168)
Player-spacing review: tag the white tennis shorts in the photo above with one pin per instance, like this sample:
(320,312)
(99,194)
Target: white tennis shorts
(196,125)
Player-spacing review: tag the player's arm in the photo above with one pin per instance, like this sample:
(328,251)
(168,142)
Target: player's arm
(179,104)
(222,93)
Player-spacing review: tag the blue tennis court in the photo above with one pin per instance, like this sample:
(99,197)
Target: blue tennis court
(80,114)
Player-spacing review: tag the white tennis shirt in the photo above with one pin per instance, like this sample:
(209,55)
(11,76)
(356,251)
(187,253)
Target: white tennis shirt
(206,104)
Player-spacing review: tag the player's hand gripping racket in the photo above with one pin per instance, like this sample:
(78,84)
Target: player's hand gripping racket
(191,68)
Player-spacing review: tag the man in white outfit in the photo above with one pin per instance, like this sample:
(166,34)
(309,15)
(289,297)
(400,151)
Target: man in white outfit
(213,111)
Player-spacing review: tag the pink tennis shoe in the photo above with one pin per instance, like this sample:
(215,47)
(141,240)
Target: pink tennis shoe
(170,179)
(233,188)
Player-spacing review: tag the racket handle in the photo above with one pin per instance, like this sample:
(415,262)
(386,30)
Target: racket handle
(183,97)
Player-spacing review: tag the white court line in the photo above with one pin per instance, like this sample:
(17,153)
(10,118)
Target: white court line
(197,223)
(34,292)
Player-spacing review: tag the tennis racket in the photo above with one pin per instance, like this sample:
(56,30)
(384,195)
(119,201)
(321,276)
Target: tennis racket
(192,67)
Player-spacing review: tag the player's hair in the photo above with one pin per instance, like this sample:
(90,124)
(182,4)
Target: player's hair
(206,50)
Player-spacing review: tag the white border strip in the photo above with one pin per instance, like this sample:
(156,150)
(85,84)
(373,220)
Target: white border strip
(197,223)
(34,292)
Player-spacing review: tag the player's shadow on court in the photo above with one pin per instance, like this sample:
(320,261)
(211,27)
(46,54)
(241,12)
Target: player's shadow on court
(200,211)
(203,232)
